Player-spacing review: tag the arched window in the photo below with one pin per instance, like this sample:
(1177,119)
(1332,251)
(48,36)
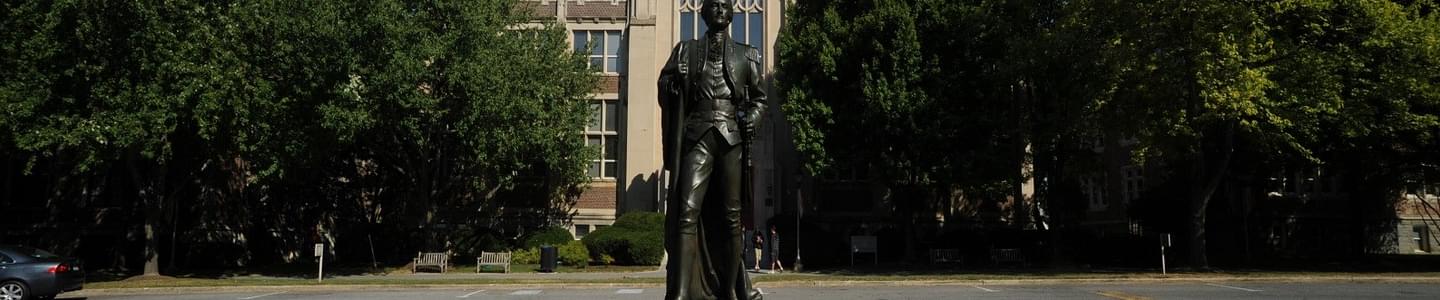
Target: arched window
(748,25)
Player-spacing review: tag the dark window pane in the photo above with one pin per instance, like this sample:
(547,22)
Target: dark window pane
(592,140)
(610,169)
(757,31)
(597,43)
(594,118)
(594,169)
(580,39)
(619,63)
(687,26)
(612,42)
(612,116)
(737,27)
(612,148)
(596,63)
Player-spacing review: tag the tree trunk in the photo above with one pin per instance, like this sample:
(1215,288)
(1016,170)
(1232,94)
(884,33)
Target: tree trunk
(150,205)
(152,244)
(1209,179)
(1198,202)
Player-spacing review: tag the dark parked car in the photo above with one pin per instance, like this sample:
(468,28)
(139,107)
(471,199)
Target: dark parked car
(28,273)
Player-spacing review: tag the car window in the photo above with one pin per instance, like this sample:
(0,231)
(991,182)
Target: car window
(5,259)
(35,253)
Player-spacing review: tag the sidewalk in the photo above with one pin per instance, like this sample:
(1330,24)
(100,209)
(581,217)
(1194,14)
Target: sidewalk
(578,276)
(657,279)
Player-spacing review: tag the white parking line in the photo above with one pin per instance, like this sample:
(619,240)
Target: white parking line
(984,289)
(258,296)
(525,292)
(470,294)
(630,291)
(1232,287)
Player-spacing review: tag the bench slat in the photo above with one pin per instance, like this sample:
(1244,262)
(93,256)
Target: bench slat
(493,259)
(864,244)
(431,259)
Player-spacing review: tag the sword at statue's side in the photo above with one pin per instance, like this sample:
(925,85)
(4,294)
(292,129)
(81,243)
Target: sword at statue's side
(747,186)
(677,128)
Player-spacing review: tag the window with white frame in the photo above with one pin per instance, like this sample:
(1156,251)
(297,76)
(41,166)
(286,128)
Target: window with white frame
(746,26)
(1134,183)
(581,230)
(603,47)
(1094,189)
(603,132)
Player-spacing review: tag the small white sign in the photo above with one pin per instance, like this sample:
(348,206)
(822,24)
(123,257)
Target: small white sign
(319,249)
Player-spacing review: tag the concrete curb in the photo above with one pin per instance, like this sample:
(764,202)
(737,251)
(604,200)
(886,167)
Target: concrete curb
(765,284)
(844,283)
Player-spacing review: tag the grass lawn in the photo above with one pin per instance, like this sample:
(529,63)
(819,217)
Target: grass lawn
(456,276)
(535,268)
(180,282)
(292,276)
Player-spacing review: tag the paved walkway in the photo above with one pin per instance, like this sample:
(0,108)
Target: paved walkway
(577,276)
(516,276)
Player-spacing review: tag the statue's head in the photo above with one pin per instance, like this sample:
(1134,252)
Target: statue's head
(717,14)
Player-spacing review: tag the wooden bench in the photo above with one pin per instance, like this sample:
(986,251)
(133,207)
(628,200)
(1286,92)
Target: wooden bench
(431,259)
(861,244)
(945,256)
(501,259)
(1007,255)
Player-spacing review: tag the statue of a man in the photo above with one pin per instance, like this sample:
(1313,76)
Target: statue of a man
(712,99)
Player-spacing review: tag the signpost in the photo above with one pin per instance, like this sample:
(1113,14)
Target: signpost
(1163,244)
(320,252)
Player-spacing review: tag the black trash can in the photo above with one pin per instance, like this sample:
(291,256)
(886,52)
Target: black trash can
(548,258)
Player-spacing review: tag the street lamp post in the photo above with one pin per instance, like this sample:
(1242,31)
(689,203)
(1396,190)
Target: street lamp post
(799,213)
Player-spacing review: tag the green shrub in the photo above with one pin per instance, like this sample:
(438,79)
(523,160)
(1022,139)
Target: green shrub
(574,254)
(525,256)
(642,221)
(603,242)
(554,236)
(637,238)
(646,249)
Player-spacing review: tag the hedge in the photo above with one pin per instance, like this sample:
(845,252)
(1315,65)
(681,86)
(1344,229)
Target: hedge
(525,257)
(554,236)
(637,238)
(574,254)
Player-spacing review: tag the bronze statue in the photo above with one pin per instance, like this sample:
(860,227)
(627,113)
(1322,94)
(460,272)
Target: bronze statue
(712,100)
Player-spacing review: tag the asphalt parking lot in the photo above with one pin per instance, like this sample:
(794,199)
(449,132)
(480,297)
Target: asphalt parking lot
(1118,290)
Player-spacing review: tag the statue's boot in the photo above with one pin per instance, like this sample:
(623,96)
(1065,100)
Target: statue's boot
(747,288)
(728,250)
(686,271)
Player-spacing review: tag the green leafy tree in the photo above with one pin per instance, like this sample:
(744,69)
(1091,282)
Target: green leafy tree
(129,87)
(282,116)
(949,94)
(1277,77)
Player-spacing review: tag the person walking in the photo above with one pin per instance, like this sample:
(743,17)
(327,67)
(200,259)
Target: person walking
(759,244)
(775,264)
